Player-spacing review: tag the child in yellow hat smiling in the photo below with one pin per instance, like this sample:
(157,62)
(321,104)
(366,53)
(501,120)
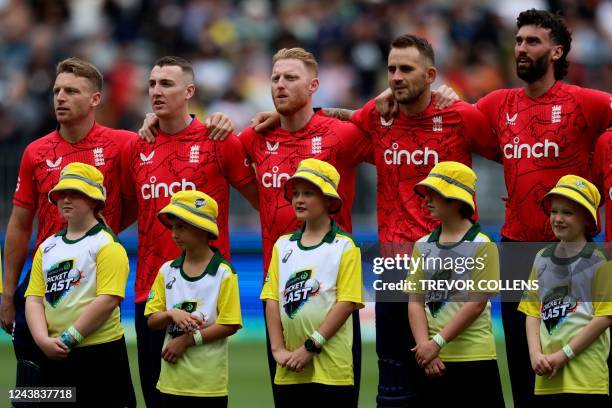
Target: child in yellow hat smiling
(312,287)
(77,282)
(452,327)
(569,315)
(195,297)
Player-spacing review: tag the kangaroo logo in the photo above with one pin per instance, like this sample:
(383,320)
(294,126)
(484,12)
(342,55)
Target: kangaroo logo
(147,159)
(54,165)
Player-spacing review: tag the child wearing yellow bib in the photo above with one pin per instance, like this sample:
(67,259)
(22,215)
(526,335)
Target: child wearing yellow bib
(195,298)
(77,282)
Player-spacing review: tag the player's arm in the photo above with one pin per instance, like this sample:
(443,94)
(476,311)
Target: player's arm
(267,120)
(539,363)
(18,234)
(219,125)
(236,166)
(443,97)
(250,193)
(96,313)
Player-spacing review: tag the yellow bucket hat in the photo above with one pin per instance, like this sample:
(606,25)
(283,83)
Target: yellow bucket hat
(576,189)
(451,180)
(193,207)
(321,174)
(83,178)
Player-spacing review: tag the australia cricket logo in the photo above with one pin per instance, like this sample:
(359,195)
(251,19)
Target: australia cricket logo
(298,289)
(436,299)
(61,277)
(189,306)
(556,306)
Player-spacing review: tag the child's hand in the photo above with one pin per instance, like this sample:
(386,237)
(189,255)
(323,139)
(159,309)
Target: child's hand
(176,348)
(299,359)
(540,364)
(184,320)
(54,348)
(556,361)
(435,369)
(426,352)
(281,356)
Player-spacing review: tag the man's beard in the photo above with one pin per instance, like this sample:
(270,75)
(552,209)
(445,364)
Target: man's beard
(534,71)
(410,97)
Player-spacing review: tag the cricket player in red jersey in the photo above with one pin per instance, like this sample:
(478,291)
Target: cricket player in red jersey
(181,158)
(301,134)
(406,148)
(602,175)
(78,138)
(545,130)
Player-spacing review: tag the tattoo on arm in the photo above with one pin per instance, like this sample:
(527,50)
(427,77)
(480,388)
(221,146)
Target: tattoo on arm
(342,114)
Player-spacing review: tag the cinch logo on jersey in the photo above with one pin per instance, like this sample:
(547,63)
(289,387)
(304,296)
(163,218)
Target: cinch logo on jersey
(60,278)
(518,151)
(397,157)
(54,165)
(298,289)
(436,299)
(156,190)
(189,306)
(274,179)
(556,306)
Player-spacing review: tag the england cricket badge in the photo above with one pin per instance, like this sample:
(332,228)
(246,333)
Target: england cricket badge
(298,289)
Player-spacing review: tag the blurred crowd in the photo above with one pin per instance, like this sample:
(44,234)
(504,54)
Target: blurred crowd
(231,43)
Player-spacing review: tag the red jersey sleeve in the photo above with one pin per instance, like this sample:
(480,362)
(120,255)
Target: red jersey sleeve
(488,105)
(234,162)
(597,106)
(358,144)
(600,160)
(26,193)
(479,132)
(365,117)
(129,202)
(247,138)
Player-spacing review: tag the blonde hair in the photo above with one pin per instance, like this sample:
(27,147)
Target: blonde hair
(300,54)
(83,69)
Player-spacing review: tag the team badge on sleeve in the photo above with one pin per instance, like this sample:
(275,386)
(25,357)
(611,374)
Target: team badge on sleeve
(298,289)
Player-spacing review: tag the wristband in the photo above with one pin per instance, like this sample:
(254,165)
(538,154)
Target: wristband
(197,338)
(569,353)
(439,340)
(318,337)
(68,340)
(75,333)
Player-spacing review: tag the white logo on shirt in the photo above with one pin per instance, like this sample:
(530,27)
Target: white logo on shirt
(147,159)
(555,114)
(511,120)
(397,157)
(98,155)
(272,148)
(274,179)
(54,165)
(437,123)
(386,123)
(194,154)
(156,190)
(518,151)
(316,145)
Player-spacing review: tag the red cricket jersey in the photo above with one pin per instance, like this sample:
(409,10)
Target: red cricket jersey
(188,160)
(602,174)
(405,150)
(277,153)
(43,160)
(540,141)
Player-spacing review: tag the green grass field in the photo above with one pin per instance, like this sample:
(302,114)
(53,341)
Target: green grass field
(249,380)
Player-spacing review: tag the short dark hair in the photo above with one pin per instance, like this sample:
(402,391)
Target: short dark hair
(420,43)
(171,60)
(83,69)
(466,211)
(559,34)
